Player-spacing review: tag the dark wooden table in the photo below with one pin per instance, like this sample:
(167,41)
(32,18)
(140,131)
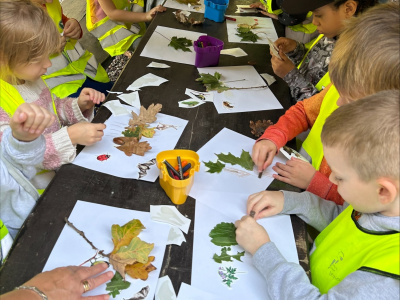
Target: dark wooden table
(41,230)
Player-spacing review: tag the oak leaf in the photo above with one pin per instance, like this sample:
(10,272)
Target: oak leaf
(214,167)
(140,270)
(134,147)
(145,115)
(227,257)
(244,160)
(116,284)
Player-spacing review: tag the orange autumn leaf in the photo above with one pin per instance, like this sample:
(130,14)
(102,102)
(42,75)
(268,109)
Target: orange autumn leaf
(139,270)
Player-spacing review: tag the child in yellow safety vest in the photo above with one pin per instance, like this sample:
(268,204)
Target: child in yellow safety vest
(118,24)
(356,255)
(304,67)
(74,68)
(358,68)
(25,47)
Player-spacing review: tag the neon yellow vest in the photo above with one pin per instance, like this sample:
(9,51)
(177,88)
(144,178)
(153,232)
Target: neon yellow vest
(114,37)
(70,68)
(10,99)
(325,80)
(313,145)
(6,242)
(343,248)
(306,28)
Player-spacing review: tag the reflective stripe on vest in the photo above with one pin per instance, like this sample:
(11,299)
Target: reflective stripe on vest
(114,37)
(312,146)
(343,247)
(6,242)
(268,5)
(74,60)
(313,43)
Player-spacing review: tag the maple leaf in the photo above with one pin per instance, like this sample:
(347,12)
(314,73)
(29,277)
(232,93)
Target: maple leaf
(145,115)
(212,82)
(116,284)
(223,234)
(247,35)
(259,127)
(244,160)
(180,43)
(122,235)
(214,167)
(227,257)
(134,147)
(140,270)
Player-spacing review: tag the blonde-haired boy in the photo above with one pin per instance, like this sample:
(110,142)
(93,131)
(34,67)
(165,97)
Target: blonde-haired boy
(365,61)
(356,256)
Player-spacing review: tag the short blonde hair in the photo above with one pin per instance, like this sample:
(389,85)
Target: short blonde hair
(27,34)
(367,130)
(366,56)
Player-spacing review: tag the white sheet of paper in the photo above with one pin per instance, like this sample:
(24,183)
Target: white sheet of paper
(95,220)
(233,101)
(245,9)
(268,78)
(264,29)
(171,215)
(176,5)
(213,208)
(157,46)
(113,92)
(223,142)
(236,52)
(168,131)
(190,103)
(204,96)
(188,292)
(165,290)
(157,65)
(116,108)
(175,236)
(131,99)
(146,80)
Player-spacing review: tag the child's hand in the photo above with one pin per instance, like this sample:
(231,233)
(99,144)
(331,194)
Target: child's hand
(250,235)
(285,44)
(88,98)
(258,5)
(85,133)
(281,66)
(296,172)
(263,153)
(63,42)
(151,13)
(72,29)
(29,121)
(265,204)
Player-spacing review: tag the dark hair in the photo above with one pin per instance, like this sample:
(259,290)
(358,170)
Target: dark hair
(362,5)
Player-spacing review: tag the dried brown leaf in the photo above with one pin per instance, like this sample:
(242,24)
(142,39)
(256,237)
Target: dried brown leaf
(259,127)
(135,147)
(139,270)
(146,116)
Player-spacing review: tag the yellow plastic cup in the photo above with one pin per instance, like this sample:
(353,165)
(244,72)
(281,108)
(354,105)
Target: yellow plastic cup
(177,190)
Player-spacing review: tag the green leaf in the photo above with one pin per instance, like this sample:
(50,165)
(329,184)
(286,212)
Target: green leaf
(137,249)
(223,234)
(212,82)
(131,133)
(180,43)
(247,35)
(244,160)
(117,284)
(214,167)
(122,235)
(227,257)
(190,103)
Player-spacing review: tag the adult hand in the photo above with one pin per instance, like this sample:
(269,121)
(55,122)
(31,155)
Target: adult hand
(66,282)
(72,29)
(265,204)
(258,5)
(285,44)
(89,97)
(263,153)
(85,133)
(281,66)
(296,172)
(151,13)
(250,235)
(29,121)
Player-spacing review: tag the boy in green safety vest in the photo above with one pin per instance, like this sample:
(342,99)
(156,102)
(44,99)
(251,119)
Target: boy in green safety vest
(358,68)
(304,67)
(356,255)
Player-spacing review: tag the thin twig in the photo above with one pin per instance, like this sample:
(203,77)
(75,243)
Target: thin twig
(81,233)
(162,35)
(235,80)
(247,88)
